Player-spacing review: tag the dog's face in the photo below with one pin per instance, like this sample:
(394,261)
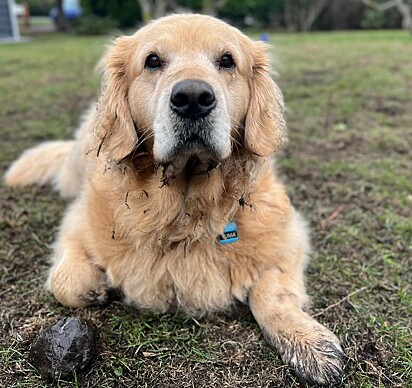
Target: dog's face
(190,87)
(191,91)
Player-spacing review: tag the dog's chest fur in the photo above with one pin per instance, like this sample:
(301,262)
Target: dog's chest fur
(164,250)
(182,278)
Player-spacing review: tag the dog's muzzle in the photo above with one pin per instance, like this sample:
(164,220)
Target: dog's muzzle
(193,134)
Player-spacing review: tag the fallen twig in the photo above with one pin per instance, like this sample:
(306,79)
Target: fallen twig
(337,211)
(340,301)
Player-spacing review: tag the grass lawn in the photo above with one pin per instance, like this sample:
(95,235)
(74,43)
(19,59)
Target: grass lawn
(348,166)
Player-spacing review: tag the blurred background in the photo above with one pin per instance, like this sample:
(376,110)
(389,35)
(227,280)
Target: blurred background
(100,16)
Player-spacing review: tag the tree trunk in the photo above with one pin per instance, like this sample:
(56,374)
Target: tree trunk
(150,9)
(62,25)
(160,8)
(289,14)
(26,15)
(406,12)
(211,7)
(301,14)
(146,10)
(208,7)
(312,14)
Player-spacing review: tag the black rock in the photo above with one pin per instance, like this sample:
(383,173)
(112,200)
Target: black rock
(64,347)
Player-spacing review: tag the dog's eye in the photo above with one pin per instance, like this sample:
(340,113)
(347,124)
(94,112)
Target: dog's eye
(153,62)
(226,62)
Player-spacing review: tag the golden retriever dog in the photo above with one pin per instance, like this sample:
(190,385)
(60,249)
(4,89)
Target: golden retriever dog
(176,201)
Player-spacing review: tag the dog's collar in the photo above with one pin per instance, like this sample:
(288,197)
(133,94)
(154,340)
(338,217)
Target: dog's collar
(229,233)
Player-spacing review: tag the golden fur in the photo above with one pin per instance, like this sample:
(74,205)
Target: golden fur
(151,229)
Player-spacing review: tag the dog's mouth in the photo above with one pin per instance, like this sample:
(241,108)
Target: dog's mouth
(190,148)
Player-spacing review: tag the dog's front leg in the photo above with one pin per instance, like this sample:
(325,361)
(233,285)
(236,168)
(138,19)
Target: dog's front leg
(74,279)
(310,348)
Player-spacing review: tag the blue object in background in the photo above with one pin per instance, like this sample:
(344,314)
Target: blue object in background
(264,38)
(71,10)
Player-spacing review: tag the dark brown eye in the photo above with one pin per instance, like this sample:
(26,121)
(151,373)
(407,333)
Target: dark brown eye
(153,62)
(226,62)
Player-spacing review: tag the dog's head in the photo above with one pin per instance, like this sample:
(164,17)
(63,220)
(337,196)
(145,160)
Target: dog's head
(189,86)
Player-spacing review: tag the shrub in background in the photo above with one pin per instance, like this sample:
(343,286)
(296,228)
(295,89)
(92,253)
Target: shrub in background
(262,12)
(125,13)
(94,25)
(377,20)
(40,7)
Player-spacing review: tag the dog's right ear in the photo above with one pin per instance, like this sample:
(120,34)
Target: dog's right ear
(114,128)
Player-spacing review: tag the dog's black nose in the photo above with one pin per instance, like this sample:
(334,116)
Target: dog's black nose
(192,99)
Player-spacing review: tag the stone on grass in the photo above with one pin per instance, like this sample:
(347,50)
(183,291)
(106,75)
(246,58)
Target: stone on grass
(67,346)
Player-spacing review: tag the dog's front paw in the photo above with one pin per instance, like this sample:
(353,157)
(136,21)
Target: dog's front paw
(96,297)
(316,357)
(77,283)
(319,363)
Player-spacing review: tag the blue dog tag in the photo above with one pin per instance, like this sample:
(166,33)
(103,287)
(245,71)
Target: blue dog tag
(229,233)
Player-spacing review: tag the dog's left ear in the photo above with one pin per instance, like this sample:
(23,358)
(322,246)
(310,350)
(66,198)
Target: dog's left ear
(265,124)
(114,128)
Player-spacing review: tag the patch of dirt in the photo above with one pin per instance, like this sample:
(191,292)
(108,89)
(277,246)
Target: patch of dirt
(390,107)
